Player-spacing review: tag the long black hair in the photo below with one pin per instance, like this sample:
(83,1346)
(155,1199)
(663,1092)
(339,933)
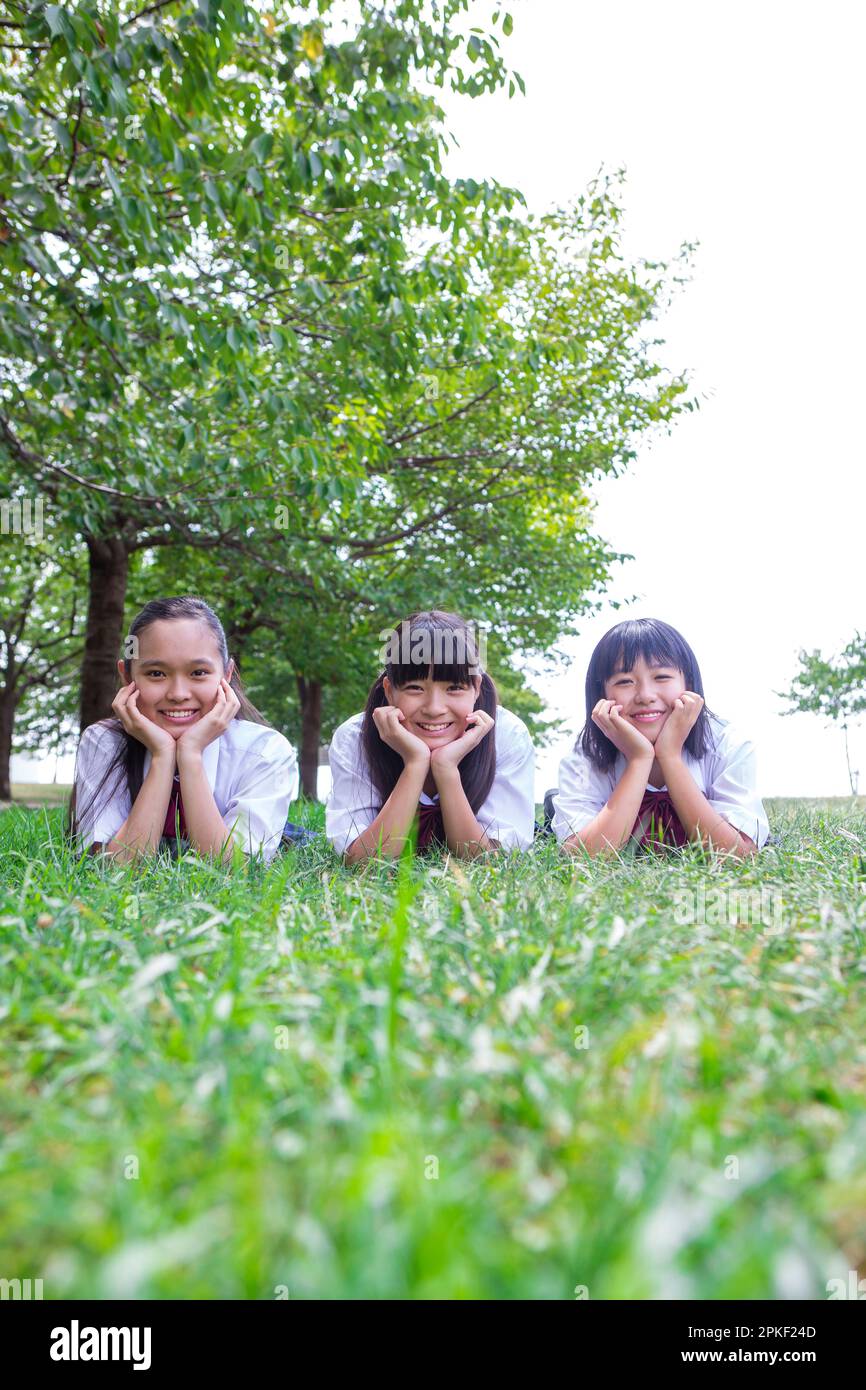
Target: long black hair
(127,766)
(660,645)
(438,646)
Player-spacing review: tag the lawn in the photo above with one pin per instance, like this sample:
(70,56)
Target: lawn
(525,1078)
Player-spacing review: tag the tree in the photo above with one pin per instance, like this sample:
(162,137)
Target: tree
(195,198)
(41,639)
(247,314)
(835,689)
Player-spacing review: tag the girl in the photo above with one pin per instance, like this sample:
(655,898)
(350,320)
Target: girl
(652,763)
(187,758)
(432,743)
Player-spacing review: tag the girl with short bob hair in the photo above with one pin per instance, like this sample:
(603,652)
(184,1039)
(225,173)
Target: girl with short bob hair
(432,746)
(187,760)
(652,764)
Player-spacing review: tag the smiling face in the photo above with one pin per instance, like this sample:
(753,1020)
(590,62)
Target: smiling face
(435,711)
(647,694)
(177,672)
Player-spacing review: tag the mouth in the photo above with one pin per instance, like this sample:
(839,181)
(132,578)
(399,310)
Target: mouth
(434,730)
(179,716)
(649,716)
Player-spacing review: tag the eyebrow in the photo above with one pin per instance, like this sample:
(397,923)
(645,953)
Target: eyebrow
(663,666)
(196,661)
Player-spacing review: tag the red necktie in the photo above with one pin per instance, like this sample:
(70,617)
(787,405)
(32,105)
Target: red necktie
(430,827)
(664,825)
(175,811)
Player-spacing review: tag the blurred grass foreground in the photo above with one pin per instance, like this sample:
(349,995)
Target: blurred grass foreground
(528,1078)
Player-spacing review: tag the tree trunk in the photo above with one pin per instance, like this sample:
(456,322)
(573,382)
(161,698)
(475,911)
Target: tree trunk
(109,570)
(310,696)
(8,701)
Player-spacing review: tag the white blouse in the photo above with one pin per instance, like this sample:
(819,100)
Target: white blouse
(252,771)
(727,776)
(507,815)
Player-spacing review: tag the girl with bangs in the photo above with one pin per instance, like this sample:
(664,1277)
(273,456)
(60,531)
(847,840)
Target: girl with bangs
(432,746)
(652,764)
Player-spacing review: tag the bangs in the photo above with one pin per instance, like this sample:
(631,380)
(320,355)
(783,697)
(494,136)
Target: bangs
(432,650)
(655,652)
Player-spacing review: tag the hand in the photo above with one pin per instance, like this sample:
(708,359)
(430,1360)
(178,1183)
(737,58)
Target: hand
(450,755)
(158,741)
(389,721)
(197,737)
(677,726)
(607,716)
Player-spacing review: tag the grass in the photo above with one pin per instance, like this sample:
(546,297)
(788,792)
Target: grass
(526,1079)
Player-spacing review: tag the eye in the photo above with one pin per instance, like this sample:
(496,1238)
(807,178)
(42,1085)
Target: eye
(152,674)
(201,672)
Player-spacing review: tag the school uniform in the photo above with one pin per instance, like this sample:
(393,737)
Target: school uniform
(251,769)
(727,776)
(507,814)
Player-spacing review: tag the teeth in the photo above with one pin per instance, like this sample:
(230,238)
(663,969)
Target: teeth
(434,728)
(178,713)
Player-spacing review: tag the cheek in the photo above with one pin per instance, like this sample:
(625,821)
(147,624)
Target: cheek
(148,700)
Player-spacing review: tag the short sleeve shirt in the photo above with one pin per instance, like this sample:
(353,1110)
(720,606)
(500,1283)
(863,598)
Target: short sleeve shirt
(507,814)
(252,771)
(727,776)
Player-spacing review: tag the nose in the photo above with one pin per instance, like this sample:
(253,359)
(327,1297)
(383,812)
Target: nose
(645,695)
(434,709)
(177,689)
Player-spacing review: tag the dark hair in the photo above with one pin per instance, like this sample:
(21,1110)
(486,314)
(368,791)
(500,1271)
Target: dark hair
(449,640)
(658,643)
(127,765)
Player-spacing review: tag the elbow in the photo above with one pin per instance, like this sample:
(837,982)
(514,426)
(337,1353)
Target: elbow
(576,844)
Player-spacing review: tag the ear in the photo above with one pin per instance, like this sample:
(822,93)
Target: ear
(388,689)
(230,669)
(476,681)
(121,671)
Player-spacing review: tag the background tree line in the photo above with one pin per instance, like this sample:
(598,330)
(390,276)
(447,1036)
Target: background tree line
(255,344)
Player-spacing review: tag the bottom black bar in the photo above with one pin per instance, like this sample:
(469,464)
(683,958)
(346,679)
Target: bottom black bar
(83,1338)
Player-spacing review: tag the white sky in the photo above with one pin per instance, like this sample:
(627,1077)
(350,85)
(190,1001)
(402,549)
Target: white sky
(741,126)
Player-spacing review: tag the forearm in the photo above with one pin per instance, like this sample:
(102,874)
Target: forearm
(614,823)
(390,830)
(464,836)
(206,829)
(697,817)
(142,830)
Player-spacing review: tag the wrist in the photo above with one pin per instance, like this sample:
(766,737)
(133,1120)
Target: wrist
(188,756)
(420,764)
(668,756)
(444,772)
(641,759)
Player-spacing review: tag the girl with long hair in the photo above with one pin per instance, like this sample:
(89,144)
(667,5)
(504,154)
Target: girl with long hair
(187,760)
(433,747)
(652,764)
